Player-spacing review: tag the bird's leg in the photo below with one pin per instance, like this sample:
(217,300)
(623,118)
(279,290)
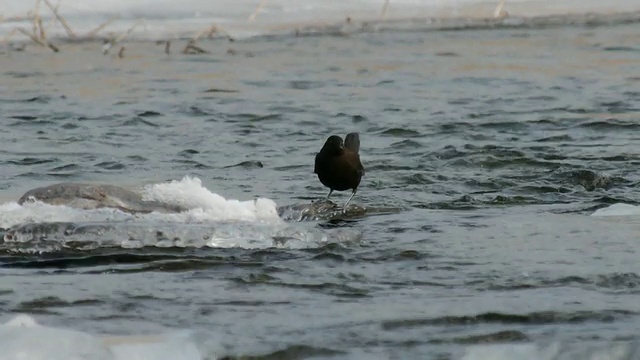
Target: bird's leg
(328,196)
(347,203)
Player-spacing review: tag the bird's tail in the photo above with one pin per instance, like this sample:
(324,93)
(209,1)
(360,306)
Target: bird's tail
(352,142)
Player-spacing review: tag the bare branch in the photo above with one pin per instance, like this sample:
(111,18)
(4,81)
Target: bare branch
(66,26)
(192,48)
(93,32)
(36,16)
(257,10)
(385,9)
(108,45)
(38,41)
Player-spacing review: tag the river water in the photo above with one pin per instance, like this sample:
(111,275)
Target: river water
(491,222)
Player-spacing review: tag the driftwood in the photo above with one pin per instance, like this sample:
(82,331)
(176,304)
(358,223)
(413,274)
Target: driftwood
(500,12)
(38,33)
(109,44)
(63,22)
(385,9)
(192,48)
(257,10)
(42,42)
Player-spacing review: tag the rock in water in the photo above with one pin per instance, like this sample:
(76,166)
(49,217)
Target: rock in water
(93,196)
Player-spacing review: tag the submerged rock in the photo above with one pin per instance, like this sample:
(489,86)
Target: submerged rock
(318,210)
(93,196)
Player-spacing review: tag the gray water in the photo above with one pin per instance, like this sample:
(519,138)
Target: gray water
(490,148)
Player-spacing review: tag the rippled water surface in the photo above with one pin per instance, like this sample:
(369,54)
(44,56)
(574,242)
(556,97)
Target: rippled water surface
(486,153)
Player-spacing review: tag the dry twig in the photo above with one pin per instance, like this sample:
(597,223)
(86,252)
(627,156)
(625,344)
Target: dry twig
(38,40)
(500,12)
(385,8)
(257,10)
(107,46)
(36,17)
(93,32)
(38,33)
(64,23)
(213,29)
(192,48)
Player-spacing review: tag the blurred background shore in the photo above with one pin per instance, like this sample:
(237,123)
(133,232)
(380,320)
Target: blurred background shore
(78,20)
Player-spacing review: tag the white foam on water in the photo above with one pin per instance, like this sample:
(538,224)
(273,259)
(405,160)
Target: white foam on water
(619,209)
(190,193)
(209,221)
(204,207)
(12,214)
(23,338)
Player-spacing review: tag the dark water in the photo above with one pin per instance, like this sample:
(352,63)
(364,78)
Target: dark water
(493,147)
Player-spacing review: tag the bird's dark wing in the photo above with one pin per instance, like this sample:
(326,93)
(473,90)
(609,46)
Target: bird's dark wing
(354,161)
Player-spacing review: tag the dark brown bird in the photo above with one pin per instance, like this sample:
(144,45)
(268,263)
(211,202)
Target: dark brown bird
(338,164)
